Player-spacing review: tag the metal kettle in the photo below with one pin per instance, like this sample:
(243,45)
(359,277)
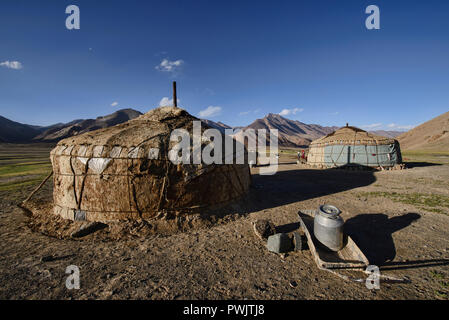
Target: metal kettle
(328,227)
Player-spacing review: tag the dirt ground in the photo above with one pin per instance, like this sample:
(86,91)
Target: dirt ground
(393,216)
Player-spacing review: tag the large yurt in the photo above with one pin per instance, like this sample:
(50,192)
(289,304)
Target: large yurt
(125,172)
(351,146)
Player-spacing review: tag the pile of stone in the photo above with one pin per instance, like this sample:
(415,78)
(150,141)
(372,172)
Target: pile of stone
(278,242)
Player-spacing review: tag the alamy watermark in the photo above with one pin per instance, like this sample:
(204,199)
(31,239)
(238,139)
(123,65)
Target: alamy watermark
(73,20)
(373,20)
(373,280)
(73,280)
(212,147)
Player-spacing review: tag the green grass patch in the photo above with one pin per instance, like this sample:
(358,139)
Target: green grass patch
(437,275)
(441,294)
(430,202)
(437,157)
(21,169)
(291,151)
(441,279)
(22,166)
(11,186)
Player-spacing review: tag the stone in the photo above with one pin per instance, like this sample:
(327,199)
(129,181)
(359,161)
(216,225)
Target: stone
(279,243)
(80,215)
(297,241)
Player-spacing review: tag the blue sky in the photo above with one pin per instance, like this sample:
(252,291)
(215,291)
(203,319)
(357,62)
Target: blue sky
(313,61)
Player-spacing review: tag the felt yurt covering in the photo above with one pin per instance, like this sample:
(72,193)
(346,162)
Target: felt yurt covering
(351,146)
(124,172)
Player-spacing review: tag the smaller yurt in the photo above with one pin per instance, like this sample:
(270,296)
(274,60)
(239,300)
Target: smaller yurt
(351,146)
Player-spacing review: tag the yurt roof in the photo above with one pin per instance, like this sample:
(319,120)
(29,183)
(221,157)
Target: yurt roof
(132,139)
(352,135)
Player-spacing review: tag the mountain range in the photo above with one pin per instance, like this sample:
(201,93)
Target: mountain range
(11,131)
(217,125)
(76,127)
(292,133)
(14,132)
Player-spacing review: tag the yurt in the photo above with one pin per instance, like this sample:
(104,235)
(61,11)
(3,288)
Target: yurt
(351,146)
(124,172)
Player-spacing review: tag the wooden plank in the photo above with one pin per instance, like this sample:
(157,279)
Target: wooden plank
(350,257)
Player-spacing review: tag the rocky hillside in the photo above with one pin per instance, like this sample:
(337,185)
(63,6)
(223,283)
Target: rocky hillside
(432,135)
(58,132)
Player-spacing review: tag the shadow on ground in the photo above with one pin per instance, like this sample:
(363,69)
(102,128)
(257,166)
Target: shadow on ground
(373,234)
(286,187)
(421,164)
(415,264)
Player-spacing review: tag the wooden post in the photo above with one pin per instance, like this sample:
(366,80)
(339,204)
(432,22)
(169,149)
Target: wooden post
(175,99)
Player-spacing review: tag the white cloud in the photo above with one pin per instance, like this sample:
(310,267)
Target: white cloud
(210,111)
(286,112)
(394,126)
(167,102)
(391,127)
(114,104)
(11,65)
(372,126)
(169,66)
